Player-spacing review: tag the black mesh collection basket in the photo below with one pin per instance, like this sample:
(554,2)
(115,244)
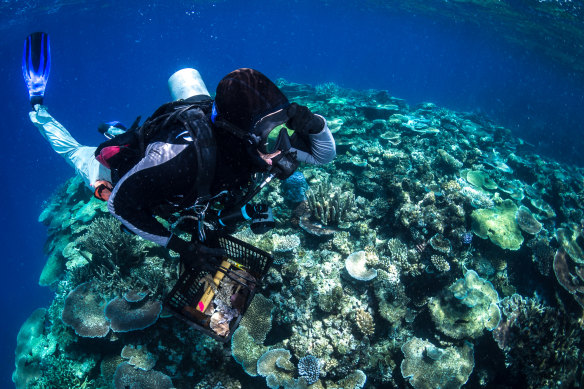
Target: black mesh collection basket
(188,292)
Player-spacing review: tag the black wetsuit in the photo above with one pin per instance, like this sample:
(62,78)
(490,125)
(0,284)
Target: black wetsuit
(164,181)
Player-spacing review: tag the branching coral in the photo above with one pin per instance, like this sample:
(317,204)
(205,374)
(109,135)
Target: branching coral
(328,204)
(540,342)
(110,247)
(364,322)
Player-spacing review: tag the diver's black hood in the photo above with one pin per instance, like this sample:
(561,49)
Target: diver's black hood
(245,95)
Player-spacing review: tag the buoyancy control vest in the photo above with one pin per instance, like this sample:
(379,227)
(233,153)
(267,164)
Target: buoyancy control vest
(192,115)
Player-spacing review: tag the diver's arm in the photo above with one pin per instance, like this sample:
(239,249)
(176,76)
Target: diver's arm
(321,148)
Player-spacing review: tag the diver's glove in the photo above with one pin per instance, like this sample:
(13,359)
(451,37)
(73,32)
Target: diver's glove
(302,121)
(195,254)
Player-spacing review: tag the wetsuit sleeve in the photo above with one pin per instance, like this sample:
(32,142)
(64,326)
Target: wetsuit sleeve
(163,174)
(322,148)
(81,158)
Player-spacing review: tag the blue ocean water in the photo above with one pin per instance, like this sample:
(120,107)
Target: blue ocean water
(111,61)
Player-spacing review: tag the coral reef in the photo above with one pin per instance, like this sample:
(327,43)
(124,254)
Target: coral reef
(373,253)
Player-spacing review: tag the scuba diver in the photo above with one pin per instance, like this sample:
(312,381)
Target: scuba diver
(200,152)
(191,155)
(36,64)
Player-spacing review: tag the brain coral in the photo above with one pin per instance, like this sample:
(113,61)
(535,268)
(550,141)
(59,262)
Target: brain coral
(83,310)
(499,225)
(426,366)
(126,316)
(467,308)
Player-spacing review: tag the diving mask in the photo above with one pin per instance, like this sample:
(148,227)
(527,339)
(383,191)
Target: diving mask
(269,129)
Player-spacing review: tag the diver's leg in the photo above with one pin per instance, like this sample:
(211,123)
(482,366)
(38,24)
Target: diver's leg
(81,158)
(58,137)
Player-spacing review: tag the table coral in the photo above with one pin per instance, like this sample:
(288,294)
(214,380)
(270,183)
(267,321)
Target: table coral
(498,224)
(258,318)
(127,376)
(356,265)
(275,365)
(128,316)
(246,351)
(84,311)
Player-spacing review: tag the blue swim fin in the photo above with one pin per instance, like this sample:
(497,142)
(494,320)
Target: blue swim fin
(36,64)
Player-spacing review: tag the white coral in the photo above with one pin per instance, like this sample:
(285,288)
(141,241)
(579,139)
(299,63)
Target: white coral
(356,265)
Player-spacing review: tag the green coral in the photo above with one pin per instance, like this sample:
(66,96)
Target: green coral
(467,308)
(499,225)
(426,366)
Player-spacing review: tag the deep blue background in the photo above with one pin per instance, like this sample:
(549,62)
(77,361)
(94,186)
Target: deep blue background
(112,63)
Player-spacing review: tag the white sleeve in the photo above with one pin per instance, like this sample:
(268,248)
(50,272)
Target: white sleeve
(322,146)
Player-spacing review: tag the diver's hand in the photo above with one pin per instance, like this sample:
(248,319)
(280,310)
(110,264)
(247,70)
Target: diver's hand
(195,254)
(302,121)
